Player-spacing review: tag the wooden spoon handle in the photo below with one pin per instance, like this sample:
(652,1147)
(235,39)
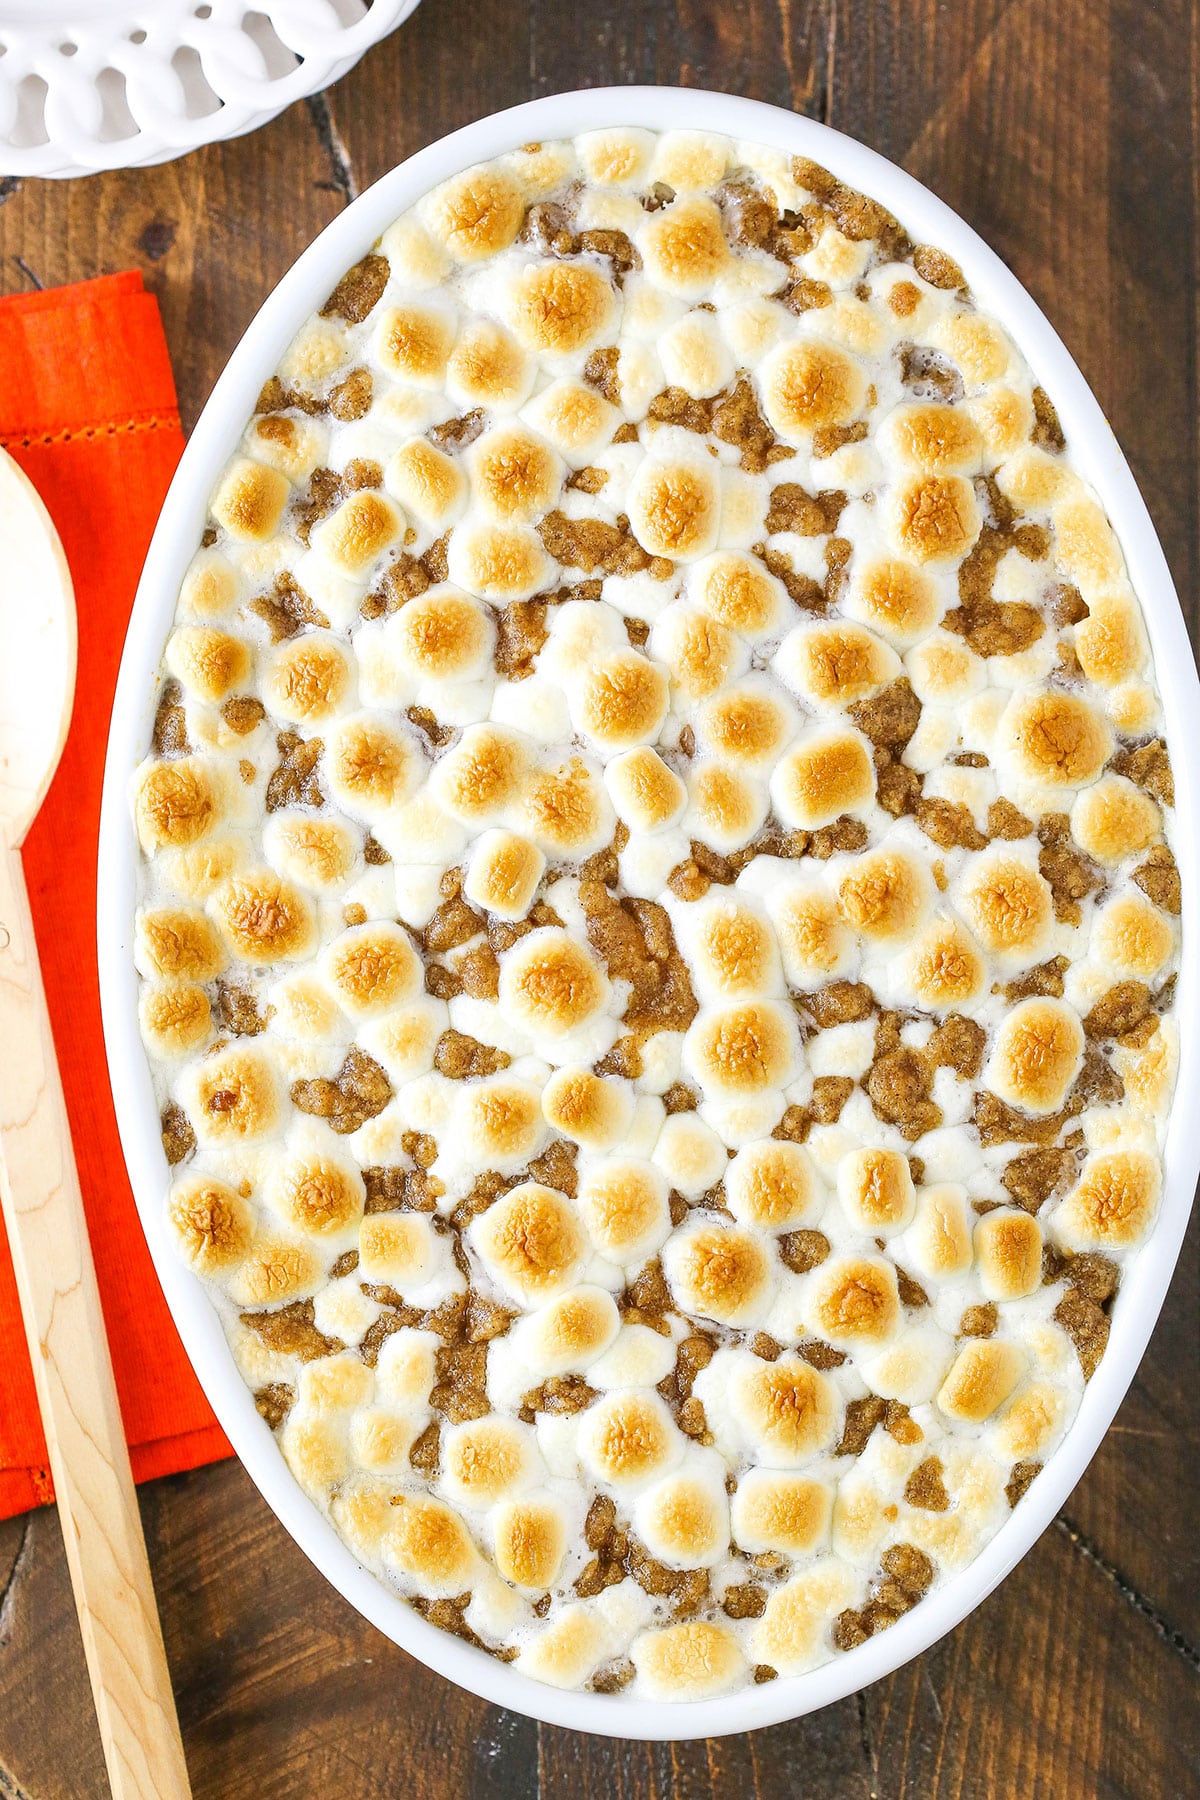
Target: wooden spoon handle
(102,1529)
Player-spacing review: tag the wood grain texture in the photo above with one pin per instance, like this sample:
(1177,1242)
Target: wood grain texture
(1069,135)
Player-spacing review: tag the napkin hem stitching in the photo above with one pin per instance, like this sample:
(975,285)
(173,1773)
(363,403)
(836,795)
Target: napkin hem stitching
(103,428)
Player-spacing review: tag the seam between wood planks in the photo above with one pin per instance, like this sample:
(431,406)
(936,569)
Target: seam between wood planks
(1162,1628)
(10,1787)
(8,1593)
(868,1747)
(341,167)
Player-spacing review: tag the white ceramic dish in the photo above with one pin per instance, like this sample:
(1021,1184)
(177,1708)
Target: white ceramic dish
(1099,459)
(103,84)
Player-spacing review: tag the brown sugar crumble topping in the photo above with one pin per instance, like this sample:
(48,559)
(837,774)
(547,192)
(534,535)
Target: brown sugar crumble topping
(658,924)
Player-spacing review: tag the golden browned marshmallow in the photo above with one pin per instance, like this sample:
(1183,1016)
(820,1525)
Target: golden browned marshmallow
(551,984)
(728,808)
(487,367)
(531,1241)
(483,773)
(942,669)
(530,1540)
(250,500)
(317,853)
(771,1185)
(1131,936)
(209,588)
(1031,1423)
(835,663)
(276,1270)
(315,1449)
(810,384)
(684,248)
(624,1205)
(234,1095)
(1113,819)
(896,598)
(504,873)
(982,1376)
(396,1249)
(733,950)
(565,1652)
(1008,1254)
(884,895)
(738,593)
(209,663)
(476,214)
(694,355)
(684,1520)
(263,918)
(854,1301)
(697,650)
(940,1238)
(175,1017)
(1005,419)
(876,1190)
(647,795)
(515,475)
(571,1331)
(586,1108)
(774,1510)
(1055,737)
(444,637)
(574,417)
(382,1440)
(1111,642)
(1037,1054)
(746,724)
(944,966)
(316,1192)
(827,773)
(293,446)
(675,508)
(625,1438)
(691,1661)
(720,1271)
(176,942)
(564,807)
(498,562)
(742,1049)
(560,307)
(362,1512)
(307,678)
(812,933)
(501,1120)
(430,1544)
(1007,904)
(1086,543)
(622,700)
(1113,1203)
(211,1224)
(198,873)
(935,517)
(414,343)
(788,1408)
(615,157)
(485,1459)
(428,482)
(369,766)
(176,803)
(373,967)
(928,436)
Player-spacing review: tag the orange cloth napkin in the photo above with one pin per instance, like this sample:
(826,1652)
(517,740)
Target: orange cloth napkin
(87,407)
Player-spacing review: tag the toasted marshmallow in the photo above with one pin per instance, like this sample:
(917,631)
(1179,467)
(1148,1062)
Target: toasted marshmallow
(317,1192)
(740,1050)
(812,932)
(476,214)
(731,949)
(627,1438)
(853,1301)
(369,766)
(833,663)
(1131,937)
(574,418)
(551,984)
(621,700)
(531,1242)
(695,356)
(1113,819)
(566,809)
(175,1017)
(1111,642)
(483,1460)
(684,247)
(179,943)
(683,1519)
(277,1269)
(209,588)
(210,1224)
(209,663)
(788,1410)
(1008,1254)
(306,679)
(372,968)
(934,518)
(647,795)
(1054,737)
(429,1543)
(895,598)
(983,1375)
(791,1635)
(778,1511)
(926,436)
(354,537)
(250,499)
(430,484)
(939,1240)
(264,919)
(675,508)
(176,803)
(944,967)
(772,1185)
(828,772)
(738,593)
(809,384)
(1112,1204)
(623,1201)
(876,1190)
(504,874)
(1007,904)
(567,1650)
(570,1332)
(587,1108)
(488,368)
(482,776)
(747,724)
(691,1661)
(719,1271)
(501,1122)
(727,808)
(1037,1054)
(560,308)
(529,1537)
(498,562)
(315,1449)
(514,474)
(885,895)
(699,652)
(442,637)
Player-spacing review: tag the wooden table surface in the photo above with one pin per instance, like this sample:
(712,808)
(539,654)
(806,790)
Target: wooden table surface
(1066,132)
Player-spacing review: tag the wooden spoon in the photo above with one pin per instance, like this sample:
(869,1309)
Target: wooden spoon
(43,1209)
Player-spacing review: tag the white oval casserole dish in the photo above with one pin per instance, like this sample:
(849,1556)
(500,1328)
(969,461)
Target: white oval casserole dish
(1098,458)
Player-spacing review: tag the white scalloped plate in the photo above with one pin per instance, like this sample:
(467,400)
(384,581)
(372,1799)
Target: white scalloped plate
(105,84)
